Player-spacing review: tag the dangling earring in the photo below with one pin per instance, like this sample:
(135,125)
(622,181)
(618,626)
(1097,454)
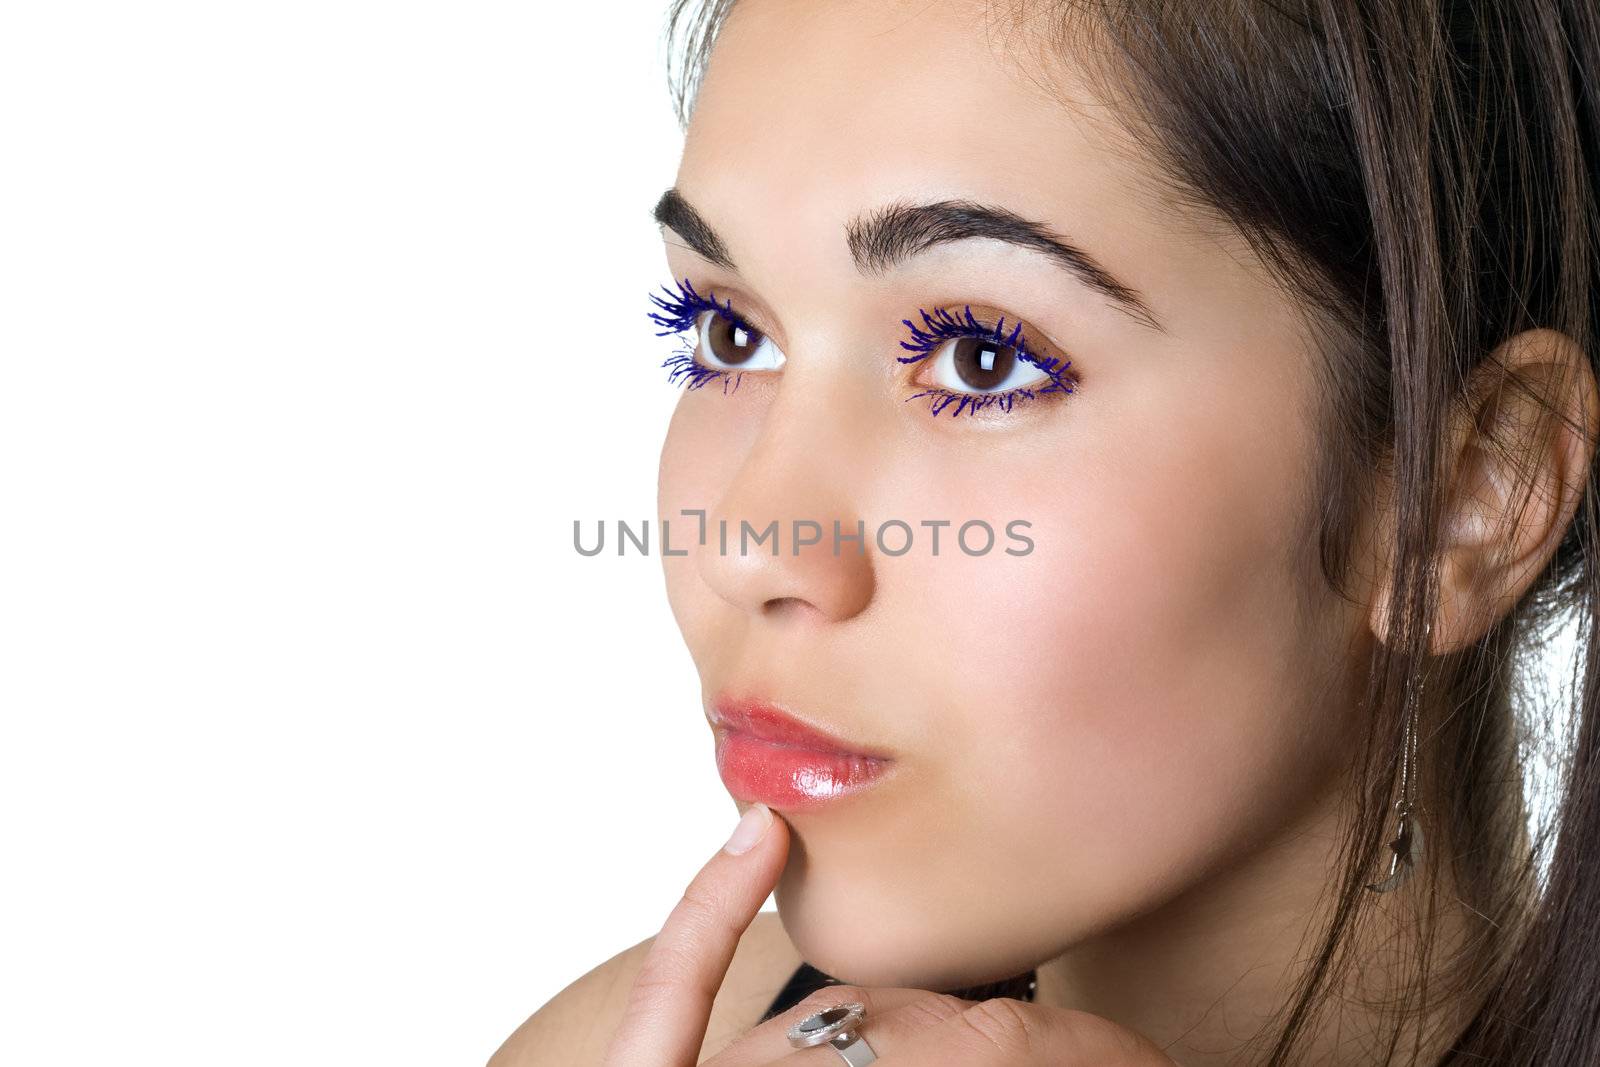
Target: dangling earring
(1407,843)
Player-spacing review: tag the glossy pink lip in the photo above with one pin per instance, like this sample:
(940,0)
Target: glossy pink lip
(766,755)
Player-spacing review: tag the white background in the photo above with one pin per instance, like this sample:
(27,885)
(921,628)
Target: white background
(320,323)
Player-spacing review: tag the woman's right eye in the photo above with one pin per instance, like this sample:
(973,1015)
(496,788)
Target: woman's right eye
(727,344)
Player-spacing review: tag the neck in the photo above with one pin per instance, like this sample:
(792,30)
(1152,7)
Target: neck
(1206,975)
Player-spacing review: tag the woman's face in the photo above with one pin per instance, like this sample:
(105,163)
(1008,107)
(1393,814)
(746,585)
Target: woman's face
(1081,732)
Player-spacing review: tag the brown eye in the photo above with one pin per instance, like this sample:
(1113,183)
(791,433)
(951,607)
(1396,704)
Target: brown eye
(983,365)
(729,344)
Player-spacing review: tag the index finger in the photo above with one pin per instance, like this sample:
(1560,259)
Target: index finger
(669,1005)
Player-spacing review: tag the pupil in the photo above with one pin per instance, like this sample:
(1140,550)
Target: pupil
(732,342)
(983,364)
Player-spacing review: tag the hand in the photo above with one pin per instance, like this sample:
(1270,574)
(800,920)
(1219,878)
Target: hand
(669,1004)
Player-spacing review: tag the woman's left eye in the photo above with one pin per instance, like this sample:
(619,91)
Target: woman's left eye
(974,366)
(980,365)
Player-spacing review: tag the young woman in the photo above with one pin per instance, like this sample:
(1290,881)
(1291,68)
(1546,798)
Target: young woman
(1260,337)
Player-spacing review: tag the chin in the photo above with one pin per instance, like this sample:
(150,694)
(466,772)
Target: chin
(870,934)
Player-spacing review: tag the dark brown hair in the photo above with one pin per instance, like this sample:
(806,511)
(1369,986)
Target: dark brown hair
(1424,176)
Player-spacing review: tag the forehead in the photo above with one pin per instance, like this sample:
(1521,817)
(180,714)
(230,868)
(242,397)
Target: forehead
(812,110)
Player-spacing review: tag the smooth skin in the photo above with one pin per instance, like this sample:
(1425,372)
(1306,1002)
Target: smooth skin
(1118,758)
(671,998)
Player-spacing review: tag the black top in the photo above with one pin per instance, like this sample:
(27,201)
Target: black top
(806,979)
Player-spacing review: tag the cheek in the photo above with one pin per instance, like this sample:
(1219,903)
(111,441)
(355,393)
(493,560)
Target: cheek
(706,441)
(1138,696)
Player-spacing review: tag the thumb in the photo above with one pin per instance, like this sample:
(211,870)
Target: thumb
(669,1005)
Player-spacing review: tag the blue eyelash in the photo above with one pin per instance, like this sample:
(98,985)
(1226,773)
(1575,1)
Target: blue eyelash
(684,309)
(682,312)
(694,374)
(942,326)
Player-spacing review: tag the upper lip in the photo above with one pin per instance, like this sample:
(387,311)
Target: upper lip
(763,719)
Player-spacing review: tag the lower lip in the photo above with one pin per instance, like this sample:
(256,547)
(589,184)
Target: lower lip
(790,778)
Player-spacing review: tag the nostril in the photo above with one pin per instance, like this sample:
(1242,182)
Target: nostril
(785,605)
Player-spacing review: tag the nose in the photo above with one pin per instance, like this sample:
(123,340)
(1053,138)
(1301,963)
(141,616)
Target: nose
(784,540)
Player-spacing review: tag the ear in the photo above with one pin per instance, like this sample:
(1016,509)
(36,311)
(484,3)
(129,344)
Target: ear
(1521,446)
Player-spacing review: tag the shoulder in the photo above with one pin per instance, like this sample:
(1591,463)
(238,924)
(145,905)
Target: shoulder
(576,1025)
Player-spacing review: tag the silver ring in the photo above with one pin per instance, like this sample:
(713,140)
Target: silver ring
(839,1027)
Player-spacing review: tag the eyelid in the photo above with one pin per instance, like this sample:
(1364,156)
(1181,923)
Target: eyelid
(942,326)
(740,307)
(752,313)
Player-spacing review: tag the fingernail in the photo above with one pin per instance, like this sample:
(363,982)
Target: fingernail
(752,826)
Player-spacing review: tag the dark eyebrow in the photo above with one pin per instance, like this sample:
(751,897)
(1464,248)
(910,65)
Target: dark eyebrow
(882,239)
